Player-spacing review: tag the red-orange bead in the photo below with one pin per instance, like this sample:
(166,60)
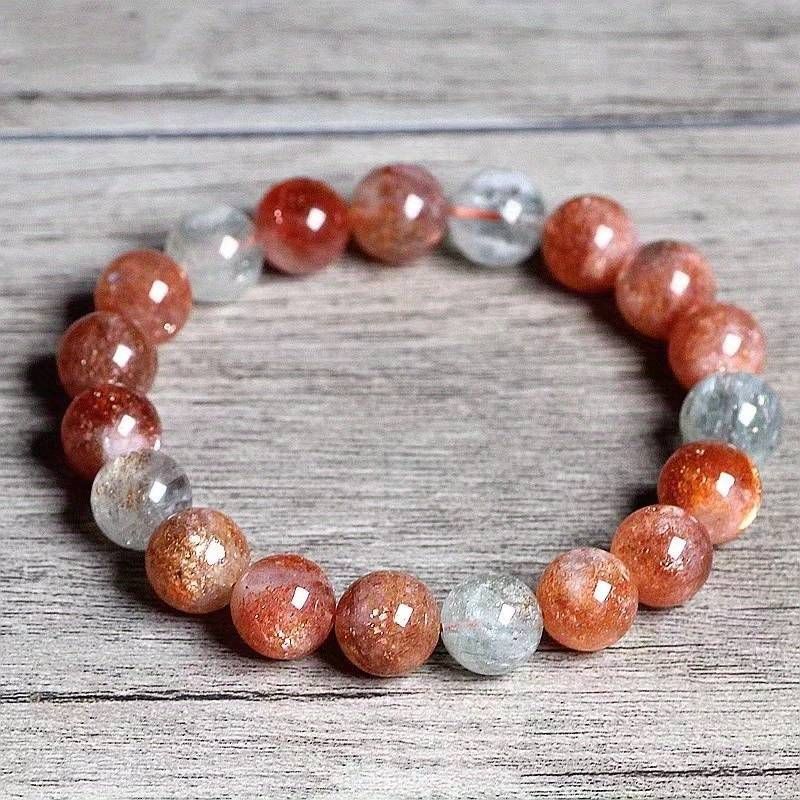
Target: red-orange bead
(105,348)
(715,338)
(586,242)
(588,599)
(668,553)
(302,226)
(398,213)
(148,288)
(387,623)
(104,422)
(283,606)
(663,280)
(716,483)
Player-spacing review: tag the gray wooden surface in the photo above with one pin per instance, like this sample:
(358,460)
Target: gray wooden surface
(436,418)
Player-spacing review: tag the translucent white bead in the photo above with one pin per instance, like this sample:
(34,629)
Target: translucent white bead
(496,218)
(133,494)
(736,407)
(218,250)
(491,624)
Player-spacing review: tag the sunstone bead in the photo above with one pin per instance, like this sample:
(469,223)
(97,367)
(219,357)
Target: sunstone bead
(133,494)
(218,250)
(735,407)
(495,219)
(491,624)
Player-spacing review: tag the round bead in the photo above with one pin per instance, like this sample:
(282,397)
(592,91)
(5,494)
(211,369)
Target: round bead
(734,407)
(387,623)
(588,599)
(302,225)
(148,288)
(218,250)
(194,558)
(491,624)
(283,606)
(105,348)
(104,422)
(496,218)
(663,280)
(133,494)
(586,242)
(668,553)
(716,338)
(398,213)
(716,483)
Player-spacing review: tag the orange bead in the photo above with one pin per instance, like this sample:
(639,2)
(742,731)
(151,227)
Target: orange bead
(105,348)
(714,482)
(588,599)
(586,242)
(715,338)
(668,553)
(663,280)
(148,288)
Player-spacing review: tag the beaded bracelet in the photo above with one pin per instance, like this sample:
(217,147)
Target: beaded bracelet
(387,622)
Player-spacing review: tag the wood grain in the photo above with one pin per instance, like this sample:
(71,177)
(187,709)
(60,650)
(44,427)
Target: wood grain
(436,418)
(177,66)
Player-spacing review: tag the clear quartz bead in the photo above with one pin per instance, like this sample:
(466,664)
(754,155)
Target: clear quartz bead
(496,218)
(218,250)
(734,407)
(491,624)
(133,494)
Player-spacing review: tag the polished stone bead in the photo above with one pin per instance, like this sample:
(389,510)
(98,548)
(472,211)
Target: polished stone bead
(398,213)
(587,241)
(104,422)
(734,407)
(496,218)
(715,338)
(105,348)
(716,483)
(387,623)
(194,558)
(668,553)
(218,250)
(491,624)
(133,494)
(664,279)
(302,225)
(283,606)
(588,599)
(148,288)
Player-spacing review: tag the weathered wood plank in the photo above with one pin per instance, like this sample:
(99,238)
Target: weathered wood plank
(240,65)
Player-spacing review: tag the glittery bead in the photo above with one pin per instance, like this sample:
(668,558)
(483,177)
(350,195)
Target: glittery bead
(398,213)
(302,225)
(491,624)
(663,280)
(668,553)
(734,407)
(194,558)
(148,288)
(133,494)
(586,242)
(283,606)
(716,483)
(715,338)
(588,599)
(105,348)
(104,422)
(495,219)
(387,623)
(218,250)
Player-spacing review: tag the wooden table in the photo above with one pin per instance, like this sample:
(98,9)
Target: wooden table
(438,418)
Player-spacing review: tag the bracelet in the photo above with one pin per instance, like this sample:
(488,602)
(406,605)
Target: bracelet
(388,622)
